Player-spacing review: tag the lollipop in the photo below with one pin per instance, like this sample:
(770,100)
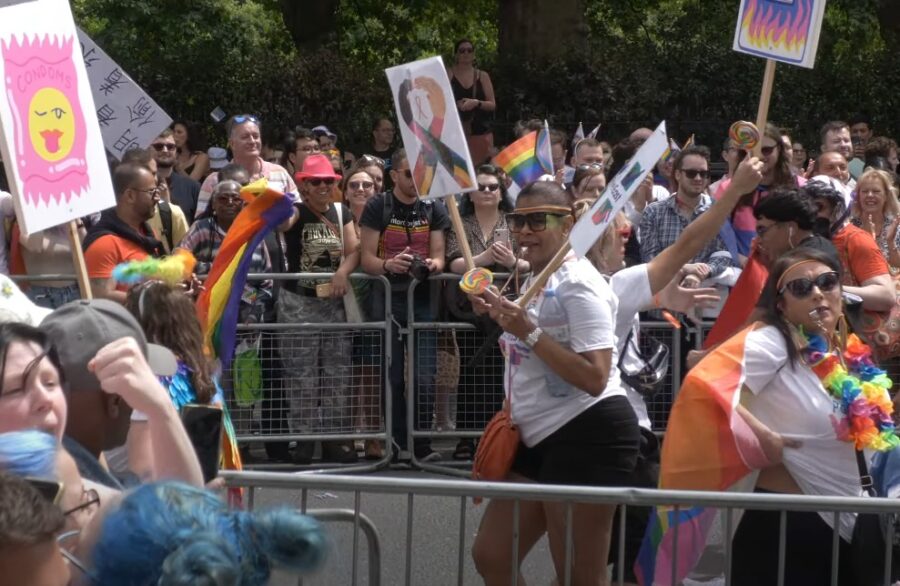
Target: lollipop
(476,281)
(744,135)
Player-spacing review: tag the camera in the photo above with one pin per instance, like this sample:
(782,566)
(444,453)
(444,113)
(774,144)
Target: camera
(418,268)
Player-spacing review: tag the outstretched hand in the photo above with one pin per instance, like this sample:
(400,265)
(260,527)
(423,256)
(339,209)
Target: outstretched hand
(684,299)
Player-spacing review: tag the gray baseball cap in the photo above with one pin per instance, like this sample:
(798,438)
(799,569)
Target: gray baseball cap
(78,330)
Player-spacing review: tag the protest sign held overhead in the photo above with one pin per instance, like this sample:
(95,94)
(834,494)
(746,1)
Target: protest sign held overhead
(128,117)
(786,31)
(431,129)
(57,165)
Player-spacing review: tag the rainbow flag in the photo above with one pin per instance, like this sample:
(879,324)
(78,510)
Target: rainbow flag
(220,302)
(528,158)
(716,456)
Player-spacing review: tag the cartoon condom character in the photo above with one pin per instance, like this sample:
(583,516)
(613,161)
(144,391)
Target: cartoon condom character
(49,126)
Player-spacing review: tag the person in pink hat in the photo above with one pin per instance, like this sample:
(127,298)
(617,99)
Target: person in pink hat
(319,238)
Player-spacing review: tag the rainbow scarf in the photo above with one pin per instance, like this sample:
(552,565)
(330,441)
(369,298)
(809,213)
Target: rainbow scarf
(528,158)
(220,302)
(715,456)
(862,393)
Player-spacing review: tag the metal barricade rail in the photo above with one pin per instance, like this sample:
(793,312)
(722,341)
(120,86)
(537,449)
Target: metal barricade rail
(624,497)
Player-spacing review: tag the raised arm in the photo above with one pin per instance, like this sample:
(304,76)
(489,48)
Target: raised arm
(663,267)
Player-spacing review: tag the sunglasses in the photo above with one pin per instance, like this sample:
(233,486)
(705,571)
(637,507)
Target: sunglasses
(766,151)
(354,185)
(693,173)
(489,187)
(589,166)
(241,118)
(537,221)
(802,288)
(163,146)
(319,181)
(371,160)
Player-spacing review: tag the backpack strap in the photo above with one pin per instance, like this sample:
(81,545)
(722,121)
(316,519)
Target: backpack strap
(165,218)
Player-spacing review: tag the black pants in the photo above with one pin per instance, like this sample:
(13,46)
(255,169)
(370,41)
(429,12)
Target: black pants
(754,560)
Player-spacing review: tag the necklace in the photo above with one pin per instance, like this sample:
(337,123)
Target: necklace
(861,392)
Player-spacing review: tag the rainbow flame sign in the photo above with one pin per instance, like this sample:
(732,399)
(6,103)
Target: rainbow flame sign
(782,30)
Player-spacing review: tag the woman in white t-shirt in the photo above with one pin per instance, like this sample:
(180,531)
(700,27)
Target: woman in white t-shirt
(561,380)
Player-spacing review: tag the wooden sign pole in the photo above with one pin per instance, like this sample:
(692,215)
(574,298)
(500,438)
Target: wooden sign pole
(84,283)
(765,98)
(456,222)
(542,278)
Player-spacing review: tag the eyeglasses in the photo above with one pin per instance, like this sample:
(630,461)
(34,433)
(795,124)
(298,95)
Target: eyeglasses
(371,160)
(318,181)
(491,187)
(89,498)
(241,118)
(694,173)
(153,191)
(588,166)
(229,198)
(761,230)
(766,151)
(537,221)
(164,146)
(802,288)
(354,185)
(466,50)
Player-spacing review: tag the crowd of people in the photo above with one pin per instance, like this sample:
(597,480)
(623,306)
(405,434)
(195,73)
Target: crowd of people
(789,246)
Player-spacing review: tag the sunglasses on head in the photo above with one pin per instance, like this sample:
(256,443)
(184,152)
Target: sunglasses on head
(537,221)
(767,150)
(802,288)
(354,185)
(316,182)
(490,187)
(693,173)
(241,118)
(163,146)
(372,160)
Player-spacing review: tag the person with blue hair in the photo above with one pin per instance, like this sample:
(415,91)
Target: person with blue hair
(29,454)
(172,534)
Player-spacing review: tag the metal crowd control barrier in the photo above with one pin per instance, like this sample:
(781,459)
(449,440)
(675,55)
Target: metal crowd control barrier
(321,382)
(467,380)
(359,521)
(730,503)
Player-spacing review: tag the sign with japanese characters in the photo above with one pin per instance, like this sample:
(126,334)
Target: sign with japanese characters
(128,117)
(50,139)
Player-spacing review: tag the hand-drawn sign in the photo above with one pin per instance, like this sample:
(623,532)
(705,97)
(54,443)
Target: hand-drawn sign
(783,30)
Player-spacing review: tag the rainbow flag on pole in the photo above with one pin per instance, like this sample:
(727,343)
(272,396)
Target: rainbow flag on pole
(528,158)
(716,456)
(220,302)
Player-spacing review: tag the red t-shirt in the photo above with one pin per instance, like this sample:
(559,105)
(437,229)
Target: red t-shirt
(860,255)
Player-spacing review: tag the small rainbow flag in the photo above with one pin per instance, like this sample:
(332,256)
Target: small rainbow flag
(528,158)
(716,456)
(220,302)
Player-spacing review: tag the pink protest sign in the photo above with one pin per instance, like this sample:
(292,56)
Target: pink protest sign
(51,141)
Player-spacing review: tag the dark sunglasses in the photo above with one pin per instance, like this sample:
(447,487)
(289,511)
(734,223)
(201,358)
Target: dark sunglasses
(241,118)
(693,173)
(319,181)
(802,288)
(766,151)
(537,221)
(489,187)
(372,160)
(354,185)
(162,146)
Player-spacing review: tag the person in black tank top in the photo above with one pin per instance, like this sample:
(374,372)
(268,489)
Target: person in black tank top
(474,95)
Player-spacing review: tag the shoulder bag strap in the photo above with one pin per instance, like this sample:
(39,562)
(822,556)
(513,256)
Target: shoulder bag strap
(865,479)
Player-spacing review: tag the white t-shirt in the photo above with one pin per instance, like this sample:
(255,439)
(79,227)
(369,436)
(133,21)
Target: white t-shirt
(791,401)
(632,288)
(577,308)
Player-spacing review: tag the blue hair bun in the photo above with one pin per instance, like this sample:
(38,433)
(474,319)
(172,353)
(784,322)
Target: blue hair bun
(290,539)
(206,560)
(29,453)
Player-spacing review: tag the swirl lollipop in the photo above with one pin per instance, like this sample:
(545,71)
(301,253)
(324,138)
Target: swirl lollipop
(476,281)
(744,135)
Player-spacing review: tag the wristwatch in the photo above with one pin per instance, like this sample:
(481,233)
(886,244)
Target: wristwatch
(532,338)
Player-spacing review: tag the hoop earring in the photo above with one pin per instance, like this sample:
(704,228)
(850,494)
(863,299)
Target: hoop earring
(791,238)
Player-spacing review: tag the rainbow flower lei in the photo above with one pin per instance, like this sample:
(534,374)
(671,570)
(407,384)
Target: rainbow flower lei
(862,392)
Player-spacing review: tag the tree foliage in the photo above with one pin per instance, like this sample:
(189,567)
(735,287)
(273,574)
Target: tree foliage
(620,62)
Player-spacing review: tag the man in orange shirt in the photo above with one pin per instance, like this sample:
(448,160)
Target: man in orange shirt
(122,233)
